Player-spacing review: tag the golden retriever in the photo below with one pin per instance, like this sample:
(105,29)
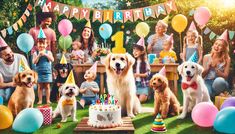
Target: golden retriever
(193,86)
(23,96)
(164,99)
(121,82)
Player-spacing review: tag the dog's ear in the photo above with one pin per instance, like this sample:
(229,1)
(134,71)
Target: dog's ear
(107,60)
(57,67)
(17,79)
(35,75)
(180,68)
(150,83)
(77,91)
(200,69)
(130,59)
(61,89)
(164,83)
(70,66)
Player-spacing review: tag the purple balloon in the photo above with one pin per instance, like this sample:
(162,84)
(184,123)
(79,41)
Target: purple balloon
(230,102)
(65,27)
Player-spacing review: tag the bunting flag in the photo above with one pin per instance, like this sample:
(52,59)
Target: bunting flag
(20,22)
(112,16)
(207,31)
(212,35)
(231,34)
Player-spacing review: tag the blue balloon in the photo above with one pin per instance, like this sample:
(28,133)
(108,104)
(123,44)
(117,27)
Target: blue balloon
(105,31)
(28,120)
(1,100)
(224,121)
(25,42)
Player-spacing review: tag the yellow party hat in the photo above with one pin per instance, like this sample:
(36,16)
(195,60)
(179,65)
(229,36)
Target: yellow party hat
(70,79)
(165,21)
(23,66)
(88,24)
(63,60)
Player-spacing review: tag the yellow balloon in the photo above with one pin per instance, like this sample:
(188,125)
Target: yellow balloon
(142,29)
(179,23)
(6,117)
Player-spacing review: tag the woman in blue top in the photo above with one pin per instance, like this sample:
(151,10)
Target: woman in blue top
(156,40)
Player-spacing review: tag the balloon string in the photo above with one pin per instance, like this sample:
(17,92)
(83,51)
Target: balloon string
(180,44)
(202,38)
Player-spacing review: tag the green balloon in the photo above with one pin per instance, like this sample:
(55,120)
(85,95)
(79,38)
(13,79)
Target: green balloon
(65,42)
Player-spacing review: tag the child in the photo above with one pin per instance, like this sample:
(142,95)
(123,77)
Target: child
(77,56)
(43,58)
(192,43)
(89,88)
(167,54)
(141,70)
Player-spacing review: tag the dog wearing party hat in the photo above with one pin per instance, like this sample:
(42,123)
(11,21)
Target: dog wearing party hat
(23,96)
(67,104)
(164,99)
(193,86)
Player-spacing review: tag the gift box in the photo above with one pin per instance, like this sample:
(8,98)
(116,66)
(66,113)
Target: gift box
(151,58)
(47,114)
(219,100)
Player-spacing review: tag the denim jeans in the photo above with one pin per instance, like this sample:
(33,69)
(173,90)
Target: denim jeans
(6,93)
(216,86)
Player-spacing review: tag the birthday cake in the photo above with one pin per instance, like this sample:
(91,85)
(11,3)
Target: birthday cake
(105,115)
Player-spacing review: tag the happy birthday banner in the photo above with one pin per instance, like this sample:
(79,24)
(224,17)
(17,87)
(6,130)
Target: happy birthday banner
(18,24)
(110,15)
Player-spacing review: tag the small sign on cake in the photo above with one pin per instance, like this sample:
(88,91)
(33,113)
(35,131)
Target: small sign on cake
(106,113)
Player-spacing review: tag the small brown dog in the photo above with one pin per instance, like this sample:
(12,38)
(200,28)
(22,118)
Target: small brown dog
(164,100)
(23,96)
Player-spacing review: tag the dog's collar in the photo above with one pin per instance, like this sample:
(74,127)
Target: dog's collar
(68,102)
(185,86)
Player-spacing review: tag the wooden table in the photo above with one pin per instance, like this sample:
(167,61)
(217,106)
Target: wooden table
(127,127)
(154,68)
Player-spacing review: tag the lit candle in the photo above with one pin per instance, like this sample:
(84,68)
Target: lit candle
(118,38)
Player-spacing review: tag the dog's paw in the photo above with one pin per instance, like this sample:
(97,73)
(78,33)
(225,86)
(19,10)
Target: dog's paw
(75,120)
(182,116)
(63,120)
(131,115)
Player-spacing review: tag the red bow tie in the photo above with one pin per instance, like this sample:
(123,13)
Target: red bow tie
(186,86)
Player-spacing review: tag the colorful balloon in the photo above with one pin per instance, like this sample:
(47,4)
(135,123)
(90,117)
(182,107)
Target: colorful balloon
(1,100)
(202,15)
(6,117)
(25,42)
(105,31)
(65,42)
(224,121)
(28,120)
(230,102)
(142,29)
(179,23)
(204,114)
(65,27)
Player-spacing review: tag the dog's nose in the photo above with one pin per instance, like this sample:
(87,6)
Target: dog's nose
(71,90)
(188,72)
(118,65)
(29,79)
(154,83)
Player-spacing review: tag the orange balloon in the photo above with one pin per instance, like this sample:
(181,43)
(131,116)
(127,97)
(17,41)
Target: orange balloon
(6,117)
(179,23)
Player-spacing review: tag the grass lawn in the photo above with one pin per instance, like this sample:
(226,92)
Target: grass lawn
(142,124)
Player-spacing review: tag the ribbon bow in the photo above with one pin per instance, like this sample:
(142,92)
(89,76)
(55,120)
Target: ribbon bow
(67,102)
(186,86)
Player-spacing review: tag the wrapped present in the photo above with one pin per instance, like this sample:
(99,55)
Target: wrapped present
(47,114)
(219,100)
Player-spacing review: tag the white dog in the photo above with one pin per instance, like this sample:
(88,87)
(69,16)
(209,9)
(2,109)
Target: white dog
(121,82)
(67,103)
(193,86)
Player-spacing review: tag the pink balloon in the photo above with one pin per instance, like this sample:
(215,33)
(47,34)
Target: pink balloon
(65,27)
(204,114)
(202,15)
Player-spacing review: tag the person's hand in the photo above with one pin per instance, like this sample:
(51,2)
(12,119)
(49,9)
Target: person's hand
(12,84)
(41,53)
(136,75)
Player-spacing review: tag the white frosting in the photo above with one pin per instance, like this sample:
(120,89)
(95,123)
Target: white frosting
(105,116)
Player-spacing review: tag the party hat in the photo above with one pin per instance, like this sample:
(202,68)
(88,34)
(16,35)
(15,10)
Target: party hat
(194,57)
(63,60)
(162,71)
(2,42)
(192,27)
(23,66)
(88,24)
(170,38)
(41,34)
(70,79)
(164,21)
(224,36)
(45,8)
(94,67)
(141,42)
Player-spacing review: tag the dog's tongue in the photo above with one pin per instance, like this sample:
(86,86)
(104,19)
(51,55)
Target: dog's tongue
(118,71)
(189,78)
(30,84)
